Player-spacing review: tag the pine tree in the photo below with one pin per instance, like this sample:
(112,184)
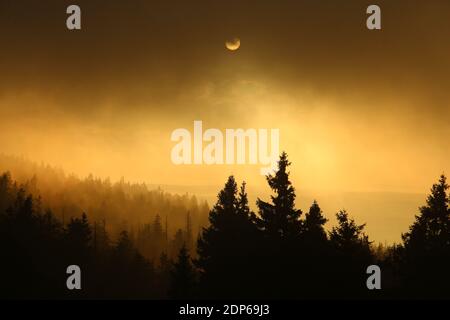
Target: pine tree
(431,229)
(280,219)
(183,278)
(188,237)
(177,243)
(125,259)
(215,240)
(157,239)
(124,247)
(78,237)
(102,238)
(426,248)
(157,228)
(5,192)
(279,251)
(348,236)
(242,202)
(313,256)
(225,247)
(313,225)
(79,233)
(164,274)
(246,219)
(351,255)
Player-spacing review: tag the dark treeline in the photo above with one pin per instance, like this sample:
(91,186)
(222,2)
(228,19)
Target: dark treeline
(156,221)
(36,249)
(281,252)
(276,252)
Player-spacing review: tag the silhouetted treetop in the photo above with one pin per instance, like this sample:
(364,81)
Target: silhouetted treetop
(280,218)
(348,234)
(313,224)
(431,229)
(183,277)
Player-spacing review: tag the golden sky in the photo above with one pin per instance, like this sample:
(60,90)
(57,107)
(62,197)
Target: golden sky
(358,110)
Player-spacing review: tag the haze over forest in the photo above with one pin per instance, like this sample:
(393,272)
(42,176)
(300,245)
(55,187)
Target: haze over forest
(363,115)
(57,187)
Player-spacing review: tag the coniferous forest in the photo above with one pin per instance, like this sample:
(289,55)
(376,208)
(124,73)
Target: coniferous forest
(133,243)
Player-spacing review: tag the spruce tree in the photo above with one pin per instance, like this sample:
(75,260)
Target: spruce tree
(280,251)
(431,228)
(314,254)
(188,232)
(351,255)
(124,247)
(79,235)
(214,239)
(280,219)
(426,247)
(313,225)
(224,247)
(183,277)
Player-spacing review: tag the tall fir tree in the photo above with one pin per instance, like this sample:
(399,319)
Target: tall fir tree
(426,247)
(188,233)
(280,219)
(350,256)
(224,246)
(313,257)
(79,235)
(431,228)
(281,228)
(183,277)
(313,225)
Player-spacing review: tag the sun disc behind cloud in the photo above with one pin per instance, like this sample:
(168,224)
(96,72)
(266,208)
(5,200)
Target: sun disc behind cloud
(233,44)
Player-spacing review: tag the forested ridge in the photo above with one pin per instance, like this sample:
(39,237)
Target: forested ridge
(122,237)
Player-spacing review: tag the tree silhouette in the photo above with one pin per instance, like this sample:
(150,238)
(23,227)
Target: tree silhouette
(164,274)
(36,250)
(126,260)
(351,256)
(26,237)
(189,238)
(431,229)
(313,225)
(183,277)
(5,192)
(280,219)
(426,250)
(79,233)
(315,252)
(224,247)
(279,251)
(124,247)
(348,236)
(214,244)
(177,243)
(240,255)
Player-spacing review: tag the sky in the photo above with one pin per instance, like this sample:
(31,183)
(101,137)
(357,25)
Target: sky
(359,111)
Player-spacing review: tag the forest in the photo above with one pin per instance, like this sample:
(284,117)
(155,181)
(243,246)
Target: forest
(134,243)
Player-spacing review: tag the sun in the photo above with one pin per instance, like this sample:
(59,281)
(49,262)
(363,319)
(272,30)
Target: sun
(233,44)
